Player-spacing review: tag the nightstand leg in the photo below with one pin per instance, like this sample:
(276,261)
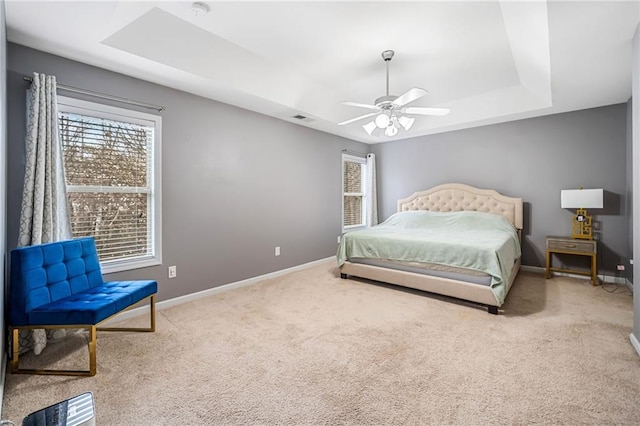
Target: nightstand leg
(547,275)
(594,270)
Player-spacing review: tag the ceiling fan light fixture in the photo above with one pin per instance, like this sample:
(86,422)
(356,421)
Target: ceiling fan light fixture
(388,109)
(369,127)
(406,122)
(382,120)
(391,130)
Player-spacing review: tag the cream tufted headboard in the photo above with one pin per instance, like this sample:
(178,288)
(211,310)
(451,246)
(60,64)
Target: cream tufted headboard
(452,197)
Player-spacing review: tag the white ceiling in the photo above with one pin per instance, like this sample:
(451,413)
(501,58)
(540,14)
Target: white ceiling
(488,61)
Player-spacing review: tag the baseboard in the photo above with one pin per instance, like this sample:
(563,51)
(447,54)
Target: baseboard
(630,285)
(635,343)
(604,278)
(536,269)
(144,310)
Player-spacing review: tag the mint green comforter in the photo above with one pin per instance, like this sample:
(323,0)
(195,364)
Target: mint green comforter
(474,240)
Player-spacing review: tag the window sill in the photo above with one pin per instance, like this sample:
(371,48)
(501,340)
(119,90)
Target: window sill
(119,266)
(353,228)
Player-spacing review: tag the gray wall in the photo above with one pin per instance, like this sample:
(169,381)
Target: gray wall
(533,159)
(629,189)
(635,337)
(235,184)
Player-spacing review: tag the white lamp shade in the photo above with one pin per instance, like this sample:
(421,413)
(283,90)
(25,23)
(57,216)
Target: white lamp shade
(406,122)
(369,127)
(382,120)
(391,130)
(582,198)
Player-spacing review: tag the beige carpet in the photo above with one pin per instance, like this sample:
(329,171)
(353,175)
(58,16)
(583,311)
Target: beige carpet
(309,348)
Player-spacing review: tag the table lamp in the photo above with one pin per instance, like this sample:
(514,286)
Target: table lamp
(582,199)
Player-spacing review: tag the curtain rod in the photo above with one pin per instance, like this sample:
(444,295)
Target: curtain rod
(103,96)
(360,154)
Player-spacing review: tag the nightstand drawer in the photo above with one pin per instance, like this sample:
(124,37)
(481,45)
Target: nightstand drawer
(571,245)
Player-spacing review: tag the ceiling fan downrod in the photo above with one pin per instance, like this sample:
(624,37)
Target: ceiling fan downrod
(384,102)
(387,55)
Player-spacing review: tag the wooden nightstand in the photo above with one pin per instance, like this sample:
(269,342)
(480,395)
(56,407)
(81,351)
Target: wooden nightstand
(564,245)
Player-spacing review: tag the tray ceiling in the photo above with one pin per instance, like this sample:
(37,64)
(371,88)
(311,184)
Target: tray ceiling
(488,61)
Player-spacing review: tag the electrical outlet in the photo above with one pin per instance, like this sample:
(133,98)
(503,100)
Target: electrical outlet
(631,261)
(338,239)
(277,251)
(173,272)
(620,267)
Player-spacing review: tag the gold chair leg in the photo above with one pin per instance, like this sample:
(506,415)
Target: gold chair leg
(92,351)
(15,369)
(15,347)
(152,307)
(152,320)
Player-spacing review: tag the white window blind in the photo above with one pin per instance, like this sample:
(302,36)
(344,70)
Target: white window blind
(112,181)
(353,178)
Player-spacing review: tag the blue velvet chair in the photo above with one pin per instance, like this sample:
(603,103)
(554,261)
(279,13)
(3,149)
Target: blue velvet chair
(60,285)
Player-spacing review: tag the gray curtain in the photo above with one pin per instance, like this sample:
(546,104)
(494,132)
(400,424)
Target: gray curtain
(44,217)
(371,191)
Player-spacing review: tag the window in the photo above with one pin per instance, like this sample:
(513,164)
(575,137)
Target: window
(353,192)
(112,170)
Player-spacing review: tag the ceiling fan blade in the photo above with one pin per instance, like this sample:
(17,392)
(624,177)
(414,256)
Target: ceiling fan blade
(371,114)
(409,96)
(356,104)
(426,111)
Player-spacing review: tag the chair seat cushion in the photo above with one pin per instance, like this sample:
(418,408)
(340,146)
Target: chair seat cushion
(94,304)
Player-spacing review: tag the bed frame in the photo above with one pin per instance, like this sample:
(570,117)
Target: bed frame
(448,198)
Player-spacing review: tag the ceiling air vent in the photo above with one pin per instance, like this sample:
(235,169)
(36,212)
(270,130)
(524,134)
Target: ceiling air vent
(302,118)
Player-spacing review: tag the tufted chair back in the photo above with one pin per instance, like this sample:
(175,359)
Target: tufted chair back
(46,273)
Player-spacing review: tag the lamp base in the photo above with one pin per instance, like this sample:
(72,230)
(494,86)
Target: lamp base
(582,226)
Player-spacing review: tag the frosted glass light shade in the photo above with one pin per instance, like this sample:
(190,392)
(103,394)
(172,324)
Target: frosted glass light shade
(382,120)
(369,127)
(582,198)
(406,122)
(391,130)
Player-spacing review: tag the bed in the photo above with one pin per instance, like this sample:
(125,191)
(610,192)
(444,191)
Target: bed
(436,242)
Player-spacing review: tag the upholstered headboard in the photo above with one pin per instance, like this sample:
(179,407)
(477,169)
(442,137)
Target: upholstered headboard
(452,197)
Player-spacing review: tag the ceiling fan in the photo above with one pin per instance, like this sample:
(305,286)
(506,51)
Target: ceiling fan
(390,110)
